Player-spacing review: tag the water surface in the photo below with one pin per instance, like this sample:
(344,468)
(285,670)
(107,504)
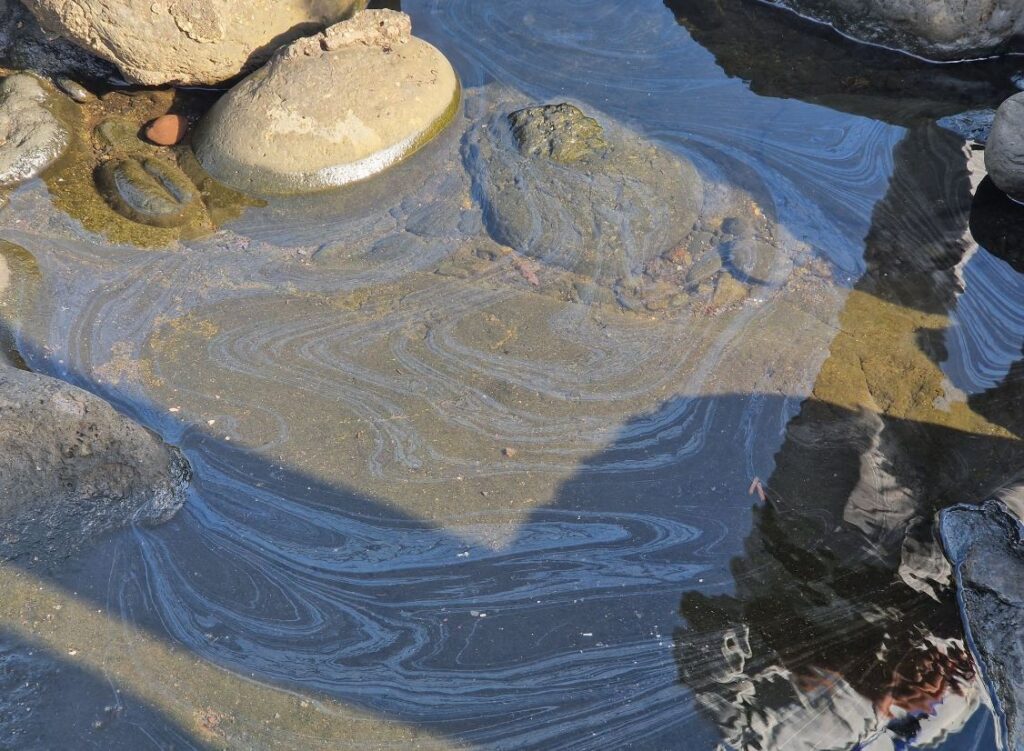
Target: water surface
(439,504)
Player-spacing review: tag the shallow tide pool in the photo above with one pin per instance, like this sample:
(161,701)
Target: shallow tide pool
(450,496)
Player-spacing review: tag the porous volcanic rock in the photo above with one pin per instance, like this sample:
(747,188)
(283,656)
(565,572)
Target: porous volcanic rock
(73,468)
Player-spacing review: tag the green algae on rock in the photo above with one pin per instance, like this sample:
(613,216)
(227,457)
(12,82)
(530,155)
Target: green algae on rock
(330,110)
(129,191)
(585,196)
(149,191)
(19,283)
(32,136)
(559,131)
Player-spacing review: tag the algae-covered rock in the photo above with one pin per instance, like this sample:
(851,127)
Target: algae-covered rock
(186,41)
(149,191)
(580,193)
(73,468)
(32,137)
(330,110)
(559,131)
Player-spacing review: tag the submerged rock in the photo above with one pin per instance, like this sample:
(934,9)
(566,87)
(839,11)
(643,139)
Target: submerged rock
(1004,150)
(934,29)
(186,41)
(984,544)
(149,191)
(73,468)
(579,194)
(330,109)
(559,131)
(32,137)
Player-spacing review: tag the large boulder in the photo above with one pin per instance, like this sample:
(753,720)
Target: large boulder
(984,544)
(330,109)
(156,42)
(934,29)
(1004,150)
(73,468)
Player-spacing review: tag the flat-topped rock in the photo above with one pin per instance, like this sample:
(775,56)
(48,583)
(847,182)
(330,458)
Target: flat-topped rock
(330,110)
(156,42)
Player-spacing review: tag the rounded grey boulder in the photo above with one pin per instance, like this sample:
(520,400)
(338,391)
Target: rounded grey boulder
(933,29)
(32,136)
(73,468)
(330,109)
(1004,150)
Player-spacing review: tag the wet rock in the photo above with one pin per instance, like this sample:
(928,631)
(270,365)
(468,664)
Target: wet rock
(32,136)
(558,131)
(330,109)
(934,29)
(1004,151)
(72,468)
(75,90)
(984,545)
(186,41)
(974,125)
(704,268)
(149,191)
(167,130)
(579,193)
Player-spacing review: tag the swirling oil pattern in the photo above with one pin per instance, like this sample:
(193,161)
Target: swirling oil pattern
(453,494)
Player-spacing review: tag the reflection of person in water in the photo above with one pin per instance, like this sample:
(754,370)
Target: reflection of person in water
(843,630)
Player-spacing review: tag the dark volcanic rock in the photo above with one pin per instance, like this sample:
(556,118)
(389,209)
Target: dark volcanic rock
(73,468)
(984,544)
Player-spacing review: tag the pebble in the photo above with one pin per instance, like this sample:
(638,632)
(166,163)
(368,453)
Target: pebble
(75,90)
(167,130)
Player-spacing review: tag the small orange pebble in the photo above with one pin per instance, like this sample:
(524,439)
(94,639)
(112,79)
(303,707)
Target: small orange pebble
(167,130)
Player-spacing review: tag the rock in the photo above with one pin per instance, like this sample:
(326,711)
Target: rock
(984,545)
(973,125)
(75,90)
(167,130)
(579,193)
(560,132)
(72,468)
(933,29)
(330,110)
(25,46)
(32,135)
(1004,150)
(186,41)
(149,191)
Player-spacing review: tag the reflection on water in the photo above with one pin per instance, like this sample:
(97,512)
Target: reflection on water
(450,495)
